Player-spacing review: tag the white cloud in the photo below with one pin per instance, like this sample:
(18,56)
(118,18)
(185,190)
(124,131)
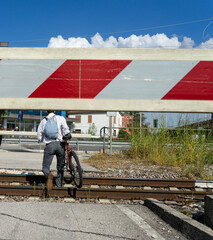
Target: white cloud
(60,42)
(208,44)
(98,42)
(187,43)
(146,41)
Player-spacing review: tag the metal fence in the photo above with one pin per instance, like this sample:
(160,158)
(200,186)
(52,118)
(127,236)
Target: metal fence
(20,143)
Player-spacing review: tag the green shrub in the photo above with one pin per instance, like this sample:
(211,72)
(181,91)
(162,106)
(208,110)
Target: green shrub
(181,148)
(123,134)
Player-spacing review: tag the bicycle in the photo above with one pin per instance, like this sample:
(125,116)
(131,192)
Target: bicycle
(72,165)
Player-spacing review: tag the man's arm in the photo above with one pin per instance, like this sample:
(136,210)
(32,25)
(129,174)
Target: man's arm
(64,127)
(40,131)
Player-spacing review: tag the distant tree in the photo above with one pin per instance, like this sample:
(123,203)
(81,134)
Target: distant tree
(136,120)
(92,129)
(123,134)
(2,113)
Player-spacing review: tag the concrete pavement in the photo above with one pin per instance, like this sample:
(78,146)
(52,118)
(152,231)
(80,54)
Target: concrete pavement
(49,220)
(33,160)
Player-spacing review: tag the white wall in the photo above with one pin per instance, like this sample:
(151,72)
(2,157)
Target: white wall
(100,120)
(172,120)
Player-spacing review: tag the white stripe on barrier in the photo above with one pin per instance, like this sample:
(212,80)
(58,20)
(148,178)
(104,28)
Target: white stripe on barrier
(146,80)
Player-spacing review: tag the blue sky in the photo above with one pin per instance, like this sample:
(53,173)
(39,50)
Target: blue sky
(25,20)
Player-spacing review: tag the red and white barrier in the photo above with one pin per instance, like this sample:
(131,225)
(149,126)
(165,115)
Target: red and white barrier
(107,79)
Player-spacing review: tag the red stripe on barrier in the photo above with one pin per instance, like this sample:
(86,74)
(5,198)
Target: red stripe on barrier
(97,74)
(64,82)
(196,85)
(80,79)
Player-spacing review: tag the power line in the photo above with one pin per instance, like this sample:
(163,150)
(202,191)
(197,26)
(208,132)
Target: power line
(162,26)
(125,31)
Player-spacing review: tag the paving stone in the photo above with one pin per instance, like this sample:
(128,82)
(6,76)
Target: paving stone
(173,189)
(33,198)
(199,189)
(69,200)
(106,201)
(15,184)
(94,186)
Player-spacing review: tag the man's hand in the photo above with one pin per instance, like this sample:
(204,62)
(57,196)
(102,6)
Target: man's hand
(67,137)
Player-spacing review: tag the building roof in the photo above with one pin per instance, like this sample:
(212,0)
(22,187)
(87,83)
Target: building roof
(126,114)
(86,112)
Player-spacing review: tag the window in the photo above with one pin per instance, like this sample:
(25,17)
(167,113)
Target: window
(89,118)
(155,123)
(114,119)
(78,119)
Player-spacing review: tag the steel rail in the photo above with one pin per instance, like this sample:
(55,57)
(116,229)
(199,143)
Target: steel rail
(93,193)
(112,181)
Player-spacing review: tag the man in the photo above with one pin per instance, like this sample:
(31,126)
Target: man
(54,145)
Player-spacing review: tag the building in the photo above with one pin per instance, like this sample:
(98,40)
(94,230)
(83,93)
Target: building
(127,121)
(93,122)
(78,121)
(173,120)
(27,120)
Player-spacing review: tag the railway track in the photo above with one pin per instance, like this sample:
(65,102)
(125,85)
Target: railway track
(110,188)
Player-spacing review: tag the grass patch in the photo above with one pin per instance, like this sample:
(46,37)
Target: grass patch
(104,161)
(182,150)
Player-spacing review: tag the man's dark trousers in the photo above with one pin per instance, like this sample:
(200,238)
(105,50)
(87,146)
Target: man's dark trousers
(54,148)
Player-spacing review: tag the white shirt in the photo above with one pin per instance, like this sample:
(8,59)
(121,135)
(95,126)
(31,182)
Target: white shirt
(62,127)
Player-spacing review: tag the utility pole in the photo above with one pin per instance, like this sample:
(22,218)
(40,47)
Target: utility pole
(110,141)
(110,115)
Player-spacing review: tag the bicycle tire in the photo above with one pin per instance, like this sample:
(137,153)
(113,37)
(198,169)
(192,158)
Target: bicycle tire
(75,169)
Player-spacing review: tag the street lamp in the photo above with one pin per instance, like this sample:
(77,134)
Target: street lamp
(4,44)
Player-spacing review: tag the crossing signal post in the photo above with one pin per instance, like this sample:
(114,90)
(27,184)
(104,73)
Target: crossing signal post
(103,134)
(110,115)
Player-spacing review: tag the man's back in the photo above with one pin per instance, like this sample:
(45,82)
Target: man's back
(54,146)
(63,129)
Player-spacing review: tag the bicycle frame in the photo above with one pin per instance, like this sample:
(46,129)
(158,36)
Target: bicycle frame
(67,154)
(73,165)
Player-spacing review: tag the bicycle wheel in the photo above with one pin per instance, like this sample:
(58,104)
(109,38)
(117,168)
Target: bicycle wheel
(75,170)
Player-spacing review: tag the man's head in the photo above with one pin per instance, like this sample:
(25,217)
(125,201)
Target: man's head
(50,111)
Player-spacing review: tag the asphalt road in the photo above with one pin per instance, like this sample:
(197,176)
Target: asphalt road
(77,145)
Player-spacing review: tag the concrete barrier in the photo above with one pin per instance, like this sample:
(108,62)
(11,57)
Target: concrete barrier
(208,211)
(186,225)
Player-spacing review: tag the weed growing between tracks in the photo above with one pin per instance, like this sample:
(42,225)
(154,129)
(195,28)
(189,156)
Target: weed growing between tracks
(183,150)
(180,148)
